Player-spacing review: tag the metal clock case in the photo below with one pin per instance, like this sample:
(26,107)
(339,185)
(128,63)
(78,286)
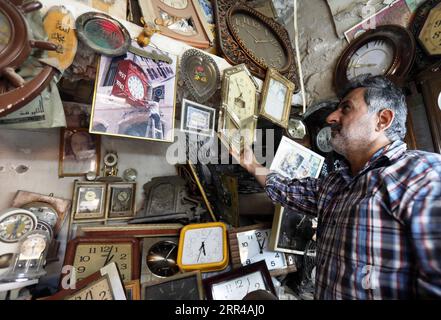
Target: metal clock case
(247,36)
(203,246)
(200,74)
(120,200)
(236,284)
(88,254)
(388,50)
(185,286)
(159,255)
(89,199)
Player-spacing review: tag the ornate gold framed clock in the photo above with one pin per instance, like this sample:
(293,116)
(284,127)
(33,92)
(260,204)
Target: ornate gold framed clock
(247,36)
(388,50)
(176,19)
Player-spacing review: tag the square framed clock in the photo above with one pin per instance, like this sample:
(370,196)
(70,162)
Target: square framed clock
(121,200)
(236,284)
(184,286)
(251,244)
(87,255)
(88,202)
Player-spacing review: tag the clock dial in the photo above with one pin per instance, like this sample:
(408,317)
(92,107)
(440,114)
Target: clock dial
(136,87)
(33,246)
(177,4)
(179,289)
(90,257)
(259,40)
(13,227)
(5,31)
(43,212)
(161,259)
(203,246)
(253,247)
(123,196)
(375,57)
(98,290)
(241,95)
(236,289)
(323,139)
(430,35)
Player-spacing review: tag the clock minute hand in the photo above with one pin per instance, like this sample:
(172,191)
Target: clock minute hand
(252,35)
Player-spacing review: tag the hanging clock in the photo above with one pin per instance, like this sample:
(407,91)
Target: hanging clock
(130,83)
(247,36)
(388,50)
(176,19)
(430,35)
(15,48)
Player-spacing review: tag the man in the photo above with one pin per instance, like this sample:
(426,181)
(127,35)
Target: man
(379,216)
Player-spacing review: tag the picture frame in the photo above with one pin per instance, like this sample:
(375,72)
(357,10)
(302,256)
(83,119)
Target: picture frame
(79,152)
(197,118)
(132,230)
(135,96)
(89,202)
(276,98)
(183,286)
(232,282)
(133,290)
(291,231)
(120,202)
(294,161)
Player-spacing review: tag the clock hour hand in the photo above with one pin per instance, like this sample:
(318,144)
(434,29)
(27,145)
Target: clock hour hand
(201,249)
(109,257)
(252,35)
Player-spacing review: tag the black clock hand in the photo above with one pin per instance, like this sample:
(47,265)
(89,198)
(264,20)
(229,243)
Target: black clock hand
(203,247)
(108,257)
(200,250)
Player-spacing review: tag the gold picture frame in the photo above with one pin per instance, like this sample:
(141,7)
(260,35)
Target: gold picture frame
(120,203)
(274,87)
(133,290)
(88,202)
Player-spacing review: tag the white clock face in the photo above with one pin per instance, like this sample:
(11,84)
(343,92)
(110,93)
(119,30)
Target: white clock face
(238,288)
(13,227)
(375,57)
(241,98)
(32,247)
(253,247)
(136,87)
(203,245)
(177,4)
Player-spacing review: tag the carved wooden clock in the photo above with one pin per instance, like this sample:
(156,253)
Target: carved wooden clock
(177,19)
(130,83)
(15,47)
(247,36)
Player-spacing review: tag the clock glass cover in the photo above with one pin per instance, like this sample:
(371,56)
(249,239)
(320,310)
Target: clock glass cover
(183,288)
(241,96)
(5,31)
(136,87)
(177,4)
(161,259)
(237,288)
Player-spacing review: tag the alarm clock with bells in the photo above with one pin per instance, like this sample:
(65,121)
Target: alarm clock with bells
(130,83)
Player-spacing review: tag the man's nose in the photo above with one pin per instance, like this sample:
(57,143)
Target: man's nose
(333,117)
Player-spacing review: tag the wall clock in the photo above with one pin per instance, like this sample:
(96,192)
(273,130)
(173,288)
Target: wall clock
(430,34)
(203,246)
(200,74)
(131,83)
(250,244)
(388,50)
(15,48)
(88,255)
(247,36)
(176,19)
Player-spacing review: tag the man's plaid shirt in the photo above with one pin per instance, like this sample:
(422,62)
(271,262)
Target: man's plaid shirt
(379,232)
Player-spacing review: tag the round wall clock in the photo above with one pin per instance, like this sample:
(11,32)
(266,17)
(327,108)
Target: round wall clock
(103,34)
(388,50)
(200,73)
(247,36)
(15,48)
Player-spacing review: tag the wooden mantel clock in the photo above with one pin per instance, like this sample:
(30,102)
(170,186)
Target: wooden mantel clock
(247,36)
(130,83)
(15,48)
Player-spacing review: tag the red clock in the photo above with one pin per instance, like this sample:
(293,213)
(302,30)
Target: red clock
(131,83)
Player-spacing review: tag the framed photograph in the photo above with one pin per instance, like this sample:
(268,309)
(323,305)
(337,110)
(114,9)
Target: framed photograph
(236,284)
(121,200)
(89,201)
(77,114)
(135,96)
(294,161)
(276,98)
(79,152)
(133,291)
(183,286)
(292,231)
(197,118)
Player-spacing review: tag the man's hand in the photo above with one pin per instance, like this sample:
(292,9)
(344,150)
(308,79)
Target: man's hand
(248,161)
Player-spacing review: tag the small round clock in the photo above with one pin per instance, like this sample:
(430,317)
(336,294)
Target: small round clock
(161,259)
(203,246)
(43,211)
(388,50)
(15,224)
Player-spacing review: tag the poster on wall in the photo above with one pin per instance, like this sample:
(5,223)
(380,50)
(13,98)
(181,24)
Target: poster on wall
(135,96)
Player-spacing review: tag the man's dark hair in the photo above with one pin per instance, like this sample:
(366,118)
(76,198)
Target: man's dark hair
(381,94)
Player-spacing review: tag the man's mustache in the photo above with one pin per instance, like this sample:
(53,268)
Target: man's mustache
(335,127)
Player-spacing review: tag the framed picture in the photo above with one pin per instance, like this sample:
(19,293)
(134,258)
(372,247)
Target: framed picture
(294,161)
(197,118)
(291,231)
(183,286)
(276,98)
(135,96)
(77,114)
(89,201)
(236,284)
(79,152)
(133,291)
(121,200)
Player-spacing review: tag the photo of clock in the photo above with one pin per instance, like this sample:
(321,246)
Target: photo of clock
(130,83)
(88,254)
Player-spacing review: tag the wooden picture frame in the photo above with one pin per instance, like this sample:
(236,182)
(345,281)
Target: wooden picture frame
(178,281)
(276,98)
(236,277)
(120,202)
(79,152)
(84,252)
(133,290)
(132,230)
(88,202)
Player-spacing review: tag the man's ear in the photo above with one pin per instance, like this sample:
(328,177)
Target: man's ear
(385,118)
